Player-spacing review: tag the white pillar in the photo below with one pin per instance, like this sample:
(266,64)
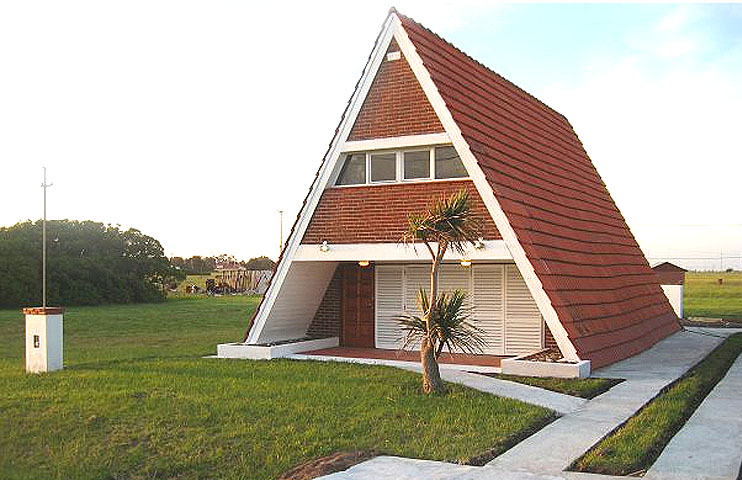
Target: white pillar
(44,331)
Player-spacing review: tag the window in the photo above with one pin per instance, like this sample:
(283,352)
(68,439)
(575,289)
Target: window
(354,170)
(417,165)
(413,164)
(383,167)
(448,164)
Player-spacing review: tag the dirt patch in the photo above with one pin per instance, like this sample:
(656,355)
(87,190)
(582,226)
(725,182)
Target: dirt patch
(711,322)
(332,463)
(552,355)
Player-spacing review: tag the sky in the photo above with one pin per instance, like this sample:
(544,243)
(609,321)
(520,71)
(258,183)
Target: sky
(195,122)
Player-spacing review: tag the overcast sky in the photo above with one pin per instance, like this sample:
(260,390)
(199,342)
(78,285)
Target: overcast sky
(196,121)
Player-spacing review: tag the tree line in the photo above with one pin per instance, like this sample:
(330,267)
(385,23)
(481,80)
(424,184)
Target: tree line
(88,263)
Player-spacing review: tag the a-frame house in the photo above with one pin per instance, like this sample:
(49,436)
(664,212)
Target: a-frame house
(557,265)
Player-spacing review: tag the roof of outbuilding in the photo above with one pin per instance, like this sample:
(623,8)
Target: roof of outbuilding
(591,267)
(668,267)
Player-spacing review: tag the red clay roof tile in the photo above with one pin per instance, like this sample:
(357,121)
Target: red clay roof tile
(584,254)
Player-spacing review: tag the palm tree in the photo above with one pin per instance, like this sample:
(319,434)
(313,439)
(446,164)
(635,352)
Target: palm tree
(448,223)
(451,326)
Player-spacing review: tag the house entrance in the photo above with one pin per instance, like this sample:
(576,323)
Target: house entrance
(357,306)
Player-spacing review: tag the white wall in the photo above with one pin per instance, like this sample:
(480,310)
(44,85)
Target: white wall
(674,293)
(297,301)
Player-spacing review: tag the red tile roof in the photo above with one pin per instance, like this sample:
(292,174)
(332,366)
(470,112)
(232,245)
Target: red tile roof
(581,249)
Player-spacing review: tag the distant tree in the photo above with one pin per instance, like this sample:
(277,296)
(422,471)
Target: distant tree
(88,263)
(260,263)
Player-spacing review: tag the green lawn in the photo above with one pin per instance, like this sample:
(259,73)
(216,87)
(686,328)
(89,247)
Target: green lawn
(636,445)
(577,387)
(136,400)
(704,297)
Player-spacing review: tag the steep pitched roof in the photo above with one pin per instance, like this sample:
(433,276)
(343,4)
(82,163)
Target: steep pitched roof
(583,253)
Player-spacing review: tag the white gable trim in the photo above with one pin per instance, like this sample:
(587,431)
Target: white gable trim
(485,191)
(396,142)
(326,169)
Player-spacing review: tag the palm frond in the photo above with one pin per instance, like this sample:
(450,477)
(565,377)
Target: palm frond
(447,220)
(450,326)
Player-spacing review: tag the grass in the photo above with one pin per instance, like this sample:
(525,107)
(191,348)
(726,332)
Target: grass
(635,446)
(704,297)
(577,387)
(136,400)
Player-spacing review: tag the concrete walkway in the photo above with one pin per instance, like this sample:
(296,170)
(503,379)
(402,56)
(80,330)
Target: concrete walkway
(709,446)
(645,375)
(547,453)
(558,402)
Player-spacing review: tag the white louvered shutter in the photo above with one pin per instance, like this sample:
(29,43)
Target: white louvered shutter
(489,309)
(522,318)
(416,276)
(389,305)
(452,277)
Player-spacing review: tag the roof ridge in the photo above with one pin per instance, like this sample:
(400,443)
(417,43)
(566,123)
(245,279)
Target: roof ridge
(396,12)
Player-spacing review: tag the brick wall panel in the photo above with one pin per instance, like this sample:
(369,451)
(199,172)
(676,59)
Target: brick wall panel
(326,322)
(395,105)
(378,213)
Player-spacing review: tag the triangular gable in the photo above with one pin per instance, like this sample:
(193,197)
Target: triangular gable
(396,104)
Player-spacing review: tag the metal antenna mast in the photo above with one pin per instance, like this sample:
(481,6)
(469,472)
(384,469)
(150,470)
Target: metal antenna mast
(43,245)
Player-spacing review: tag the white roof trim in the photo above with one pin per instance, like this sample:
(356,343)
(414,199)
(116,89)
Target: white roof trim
(397,142)
(493,250)
(323,177)
(485,191)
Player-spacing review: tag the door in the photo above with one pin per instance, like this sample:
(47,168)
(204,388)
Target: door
(358,306)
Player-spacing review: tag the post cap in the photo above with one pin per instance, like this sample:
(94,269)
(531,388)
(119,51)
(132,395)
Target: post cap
(43,310)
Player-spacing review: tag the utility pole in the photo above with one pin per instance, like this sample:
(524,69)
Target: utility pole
(721,260)
(43,244)
(280,244)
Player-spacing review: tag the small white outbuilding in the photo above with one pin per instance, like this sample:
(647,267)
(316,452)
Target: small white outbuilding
(672,280)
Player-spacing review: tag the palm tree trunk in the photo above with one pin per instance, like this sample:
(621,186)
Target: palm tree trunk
(432,382)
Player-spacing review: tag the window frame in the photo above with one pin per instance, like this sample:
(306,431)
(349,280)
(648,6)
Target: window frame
(431,161)
(399,169)
(369,178)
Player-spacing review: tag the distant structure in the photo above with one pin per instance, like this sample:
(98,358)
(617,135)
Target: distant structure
(672,280)
(235,278)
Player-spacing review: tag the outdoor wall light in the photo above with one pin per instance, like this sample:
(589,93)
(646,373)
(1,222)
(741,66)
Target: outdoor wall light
(466,262)
(364,263)
(324,248)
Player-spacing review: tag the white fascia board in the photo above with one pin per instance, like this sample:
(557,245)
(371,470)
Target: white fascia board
(397,142)
(485,191)
(493,250)
(323,177)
